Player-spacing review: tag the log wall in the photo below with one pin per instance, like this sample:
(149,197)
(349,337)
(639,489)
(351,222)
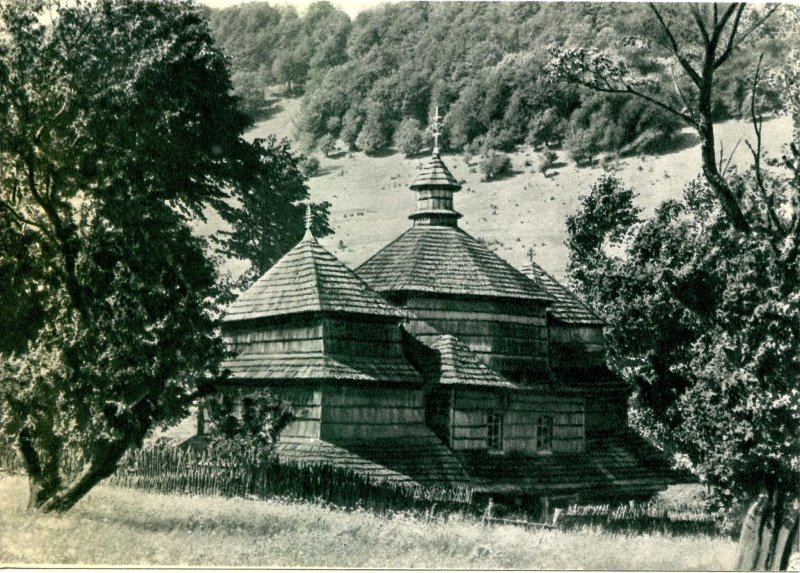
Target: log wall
(521,411)
(355,414)
(510,338)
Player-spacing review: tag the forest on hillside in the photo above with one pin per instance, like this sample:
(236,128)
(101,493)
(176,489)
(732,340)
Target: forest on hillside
(374,82)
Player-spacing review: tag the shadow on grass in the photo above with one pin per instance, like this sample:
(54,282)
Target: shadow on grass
(381,153)
(503,176)
(667,145)
(270,110)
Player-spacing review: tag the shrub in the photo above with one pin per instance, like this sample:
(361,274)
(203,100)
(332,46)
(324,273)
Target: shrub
(549,158)
(310,167)
(410,138)
(326,144)
(581,146)
(495,165)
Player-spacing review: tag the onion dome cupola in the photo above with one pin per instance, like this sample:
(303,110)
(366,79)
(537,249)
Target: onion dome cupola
(434,187)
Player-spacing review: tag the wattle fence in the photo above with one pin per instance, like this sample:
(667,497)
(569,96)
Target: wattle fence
(167,469)
(172,470)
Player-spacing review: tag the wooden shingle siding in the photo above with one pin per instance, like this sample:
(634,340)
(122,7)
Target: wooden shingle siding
(606,412)
(521,411)
(306,404)
(352,414)
(362,338)
(509,340)
(275,340)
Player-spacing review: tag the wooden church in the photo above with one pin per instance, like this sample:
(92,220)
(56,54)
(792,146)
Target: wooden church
(436,362)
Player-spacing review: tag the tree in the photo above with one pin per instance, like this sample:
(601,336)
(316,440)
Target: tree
(117,133)
(374,135)
(703,308)
(268,216)
(410,137)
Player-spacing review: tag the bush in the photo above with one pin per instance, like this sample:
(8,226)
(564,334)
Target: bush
(310,167)
(549,158)
(495,165)
(410,138)
(326,144)
(581,146)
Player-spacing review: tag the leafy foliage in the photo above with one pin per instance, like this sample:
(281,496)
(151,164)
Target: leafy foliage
(117,132)
(481,62)
(705,321)
(495,165)
(410,137)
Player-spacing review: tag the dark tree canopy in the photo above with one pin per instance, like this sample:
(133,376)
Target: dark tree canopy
(482,63)
(703,299)
(117,132)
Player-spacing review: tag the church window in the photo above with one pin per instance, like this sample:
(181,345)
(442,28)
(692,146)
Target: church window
(544,433)
(494,431)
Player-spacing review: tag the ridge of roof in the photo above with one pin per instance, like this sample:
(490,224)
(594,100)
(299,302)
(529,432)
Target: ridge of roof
(309,279)
(446,260)
(566,306)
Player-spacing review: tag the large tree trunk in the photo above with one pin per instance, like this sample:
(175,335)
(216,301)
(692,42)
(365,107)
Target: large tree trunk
(769,533)
(48,492)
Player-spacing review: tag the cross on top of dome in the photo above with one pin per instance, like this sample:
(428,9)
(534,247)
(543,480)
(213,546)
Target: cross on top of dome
(436,130)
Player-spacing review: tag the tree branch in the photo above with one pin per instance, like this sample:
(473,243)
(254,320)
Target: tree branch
(757,25)
(675,50)
(731,37)
(757,121)
(698,20)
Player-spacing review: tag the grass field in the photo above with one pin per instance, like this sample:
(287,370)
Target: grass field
(371,200)
(123,527)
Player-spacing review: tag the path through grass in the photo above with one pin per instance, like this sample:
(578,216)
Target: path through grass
(122,527)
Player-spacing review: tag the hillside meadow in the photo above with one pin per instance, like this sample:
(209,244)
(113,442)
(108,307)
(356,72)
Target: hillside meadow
(371,201)
(116,527)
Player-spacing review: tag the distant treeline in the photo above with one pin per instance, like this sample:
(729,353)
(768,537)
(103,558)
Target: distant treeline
(376,80)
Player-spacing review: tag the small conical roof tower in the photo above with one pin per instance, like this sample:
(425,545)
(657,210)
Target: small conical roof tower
(434,187)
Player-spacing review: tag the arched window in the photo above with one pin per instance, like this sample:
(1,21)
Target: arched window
(544,433)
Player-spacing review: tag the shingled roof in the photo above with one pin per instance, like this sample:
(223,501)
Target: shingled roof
(414,460)
(458,365)
(446,260)
(435,174)
(316,365)
(308,279)
(566,307)
(612,465)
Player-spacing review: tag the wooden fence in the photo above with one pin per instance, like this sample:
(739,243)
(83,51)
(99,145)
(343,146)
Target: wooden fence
(171,470)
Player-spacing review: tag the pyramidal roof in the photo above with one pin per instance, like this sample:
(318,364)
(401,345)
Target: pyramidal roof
(566,307)
(447,260)
(435,174)
(308,279)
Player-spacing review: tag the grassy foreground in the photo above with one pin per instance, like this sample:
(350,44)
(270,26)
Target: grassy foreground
(122,527)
